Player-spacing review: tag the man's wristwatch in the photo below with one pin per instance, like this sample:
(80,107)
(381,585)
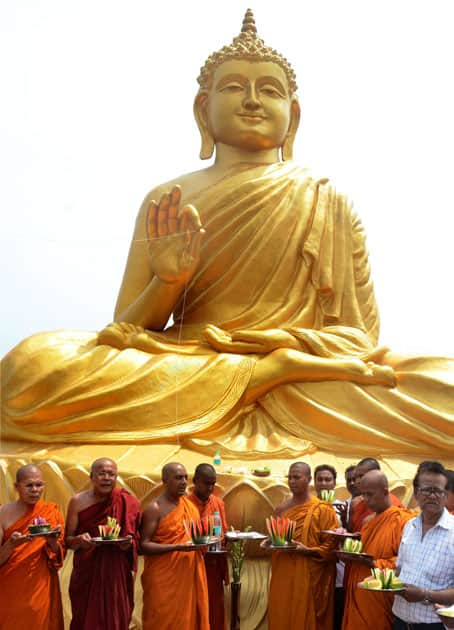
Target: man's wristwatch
(426,599)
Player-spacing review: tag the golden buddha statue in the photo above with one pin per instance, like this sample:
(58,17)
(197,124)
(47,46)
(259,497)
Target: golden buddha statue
(273,350)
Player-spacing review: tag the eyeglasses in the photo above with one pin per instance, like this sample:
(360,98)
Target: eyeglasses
(426,492)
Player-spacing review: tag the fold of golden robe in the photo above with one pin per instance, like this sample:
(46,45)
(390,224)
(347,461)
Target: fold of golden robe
(282,250)
(381,538)
(302,588)
(29,587)
(175,594)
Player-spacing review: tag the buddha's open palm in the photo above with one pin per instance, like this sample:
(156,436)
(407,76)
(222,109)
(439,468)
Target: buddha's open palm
(174,238)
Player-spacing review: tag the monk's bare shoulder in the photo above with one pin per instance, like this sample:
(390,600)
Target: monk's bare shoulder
(283,507)
(81,501)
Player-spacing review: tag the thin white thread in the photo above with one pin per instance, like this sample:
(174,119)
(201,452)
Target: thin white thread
(180,330)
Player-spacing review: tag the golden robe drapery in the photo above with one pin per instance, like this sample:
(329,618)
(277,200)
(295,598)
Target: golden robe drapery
(282,250)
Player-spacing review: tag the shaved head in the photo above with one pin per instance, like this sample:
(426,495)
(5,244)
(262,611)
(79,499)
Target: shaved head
(374,490)
(28,470)
(204,470)
(370,463)
(305,468)
(376,479)
(168,470)
(102,461)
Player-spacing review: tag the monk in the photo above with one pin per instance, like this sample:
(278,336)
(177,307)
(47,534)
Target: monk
(29,587)
(215,564)
(381,537)
(302,582)
(360,511)
(102,580)
(175,593)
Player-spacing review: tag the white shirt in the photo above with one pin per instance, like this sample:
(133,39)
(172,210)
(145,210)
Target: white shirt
(427,563)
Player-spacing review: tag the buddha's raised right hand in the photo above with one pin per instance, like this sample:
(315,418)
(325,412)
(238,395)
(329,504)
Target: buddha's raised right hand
(174,238)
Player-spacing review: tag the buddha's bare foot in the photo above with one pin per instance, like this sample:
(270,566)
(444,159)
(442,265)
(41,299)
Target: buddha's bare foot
(119,335)
(370,373)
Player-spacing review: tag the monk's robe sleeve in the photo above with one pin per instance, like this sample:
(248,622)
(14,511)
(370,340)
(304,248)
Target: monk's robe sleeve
(55,559)
(327,520)
(396,537)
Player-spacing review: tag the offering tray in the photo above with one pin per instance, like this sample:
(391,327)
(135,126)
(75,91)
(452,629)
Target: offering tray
(351,555)
(106,541)
(211,541)
(381,590)
(331,532)
(446,613)
(291,547)
(245,536)
(50,532)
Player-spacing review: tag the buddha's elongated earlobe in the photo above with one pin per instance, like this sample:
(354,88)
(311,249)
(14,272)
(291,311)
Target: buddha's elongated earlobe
(287,147)
(207,148)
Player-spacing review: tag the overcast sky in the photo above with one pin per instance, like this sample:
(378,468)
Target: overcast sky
(96,109)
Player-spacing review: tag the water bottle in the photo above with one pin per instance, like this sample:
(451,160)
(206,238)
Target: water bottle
(217,530)
(217,458)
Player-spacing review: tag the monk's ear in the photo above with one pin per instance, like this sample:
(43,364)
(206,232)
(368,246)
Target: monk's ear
(295,115)
(201,116)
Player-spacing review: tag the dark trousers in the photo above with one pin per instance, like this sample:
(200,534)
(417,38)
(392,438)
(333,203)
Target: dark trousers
(403,625)
(338,607)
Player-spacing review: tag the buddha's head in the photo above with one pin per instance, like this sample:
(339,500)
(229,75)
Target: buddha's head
(247,97)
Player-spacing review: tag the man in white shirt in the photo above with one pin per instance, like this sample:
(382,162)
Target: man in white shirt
(426,553)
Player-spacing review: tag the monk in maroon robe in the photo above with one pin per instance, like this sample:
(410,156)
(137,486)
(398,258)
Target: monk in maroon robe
(102,582)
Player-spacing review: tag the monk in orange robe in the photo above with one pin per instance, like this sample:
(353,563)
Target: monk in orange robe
(175,593)
(381,537)
(215,563)
(359,509)
(30,591)
(302,581)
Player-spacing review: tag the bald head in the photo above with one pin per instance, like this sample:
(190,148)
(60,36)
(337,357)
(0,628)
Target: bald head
(29,470)
(374,479)
(303,467)
(168,470)
(299,478)
(175,479)
(362,467)
(374,490)
(204,470)
(101,462)
(29,484)
(204,481)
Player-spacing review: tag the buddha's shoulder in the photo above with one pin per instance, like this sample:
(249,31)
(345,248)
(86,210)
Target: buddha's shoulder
(188,182)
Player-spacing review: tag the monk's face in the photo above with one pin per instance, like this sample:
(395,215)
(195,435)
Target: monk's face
(431,494)
(350,482)
(204,486)
(374,494)
(298,480)
(104,477)
(360,471)
(177,481)
(249,105)
(324,480)
(30,488)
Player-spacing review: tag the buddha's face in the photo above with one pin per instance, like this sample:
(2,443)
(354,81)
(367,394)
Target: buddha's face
(249,105)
